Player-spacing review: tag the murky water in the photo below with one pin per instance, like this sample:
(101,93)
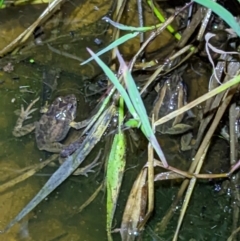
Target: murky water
(51,75)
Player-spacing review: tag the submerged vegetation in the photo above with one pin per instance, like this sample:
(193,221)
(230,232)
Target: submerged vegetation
(185,92)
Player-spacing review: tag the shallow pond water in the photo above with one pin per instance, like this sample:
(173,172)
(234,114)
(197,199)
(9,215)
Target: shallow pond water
(51,75)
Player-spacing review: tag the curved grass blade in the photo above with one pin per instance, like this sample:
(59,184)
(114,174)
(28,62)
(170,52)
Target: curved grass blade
(116,83)
(115,170)
(69,165)
(131,28)
(119,41)
(140,108)
(221,12)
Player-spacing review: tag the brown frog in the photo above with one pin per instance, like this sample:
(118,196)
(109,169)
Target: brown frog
(53,125)
(171,96)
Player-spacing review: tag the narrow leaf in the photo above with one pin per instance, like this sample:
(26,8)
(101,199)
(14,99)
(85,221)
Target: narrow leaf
(131,28)
(140,108)
(113,45)
(116,83)
(135,208)
(115,170)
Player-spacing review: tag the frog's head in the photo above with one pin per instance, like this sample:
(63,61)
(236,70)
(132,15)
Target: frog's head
(66,107)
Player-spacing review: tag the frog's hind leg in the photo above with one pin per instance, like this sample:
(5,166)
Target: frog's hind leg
(54,147)
(89,168)
(24,130)
(19,129)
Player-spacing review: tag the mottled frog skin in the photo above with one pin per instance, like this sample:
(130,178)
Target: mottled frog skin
(171,96)
(53,125)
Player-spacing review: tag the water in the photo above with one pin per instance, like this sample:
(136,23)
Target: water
(55,218)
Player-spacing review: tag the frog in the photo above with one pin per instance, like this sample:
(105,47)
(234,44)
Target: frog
(54,124)
(171,96)
(53,127)
(196,76)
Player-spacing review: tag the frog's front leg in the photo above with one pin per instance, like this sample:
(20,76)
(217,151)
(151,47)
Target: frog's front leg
(44,109)
(19,129)
(80,125)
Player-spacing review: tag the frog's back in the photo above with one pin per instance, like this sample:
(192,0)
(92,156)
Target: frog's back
(54,125)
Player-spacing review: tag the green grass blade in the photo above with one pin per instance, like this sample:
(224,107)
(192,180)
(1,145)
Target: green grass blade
(116,83)
(140,108)
(162,20)
(115,170)
(1,3)
(131,28)
(221,12)
(116,43)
